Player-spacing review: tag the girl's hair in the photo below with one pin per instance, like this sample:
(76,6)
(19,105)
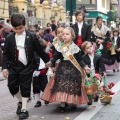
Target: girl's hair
(83,46)
(80,12)
(17,20)
(98,17)
(62,26)
(47,31)
(116,30)
(71,31)
(48,24)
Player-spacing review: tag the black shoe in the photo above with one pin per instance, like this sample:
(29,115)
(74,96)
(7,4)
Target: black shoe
(66,105)
(46,102)
(114,70)
(117,70)
(90,102)
(24,114)
(73,107)
(19,108)
(96,98)
(62,109)
(38,104)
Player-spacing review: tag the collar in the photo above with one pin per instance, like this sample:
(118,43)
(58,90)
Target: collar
(80,23)
(24,33)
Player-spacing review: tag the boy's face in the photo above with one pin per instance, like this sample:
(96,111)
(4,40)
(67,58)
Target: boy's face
(79,17)
(89,48)
(116,33)
(19,30)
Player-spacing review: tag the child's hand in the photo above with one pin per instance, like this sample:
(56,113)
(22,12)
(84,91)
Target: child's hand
(5,73)
(87,69)
(48,64)
(104,74)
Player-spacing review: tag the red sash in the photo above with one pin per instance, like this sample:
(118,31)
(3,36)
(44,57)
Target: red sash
(43,71)
(79,41)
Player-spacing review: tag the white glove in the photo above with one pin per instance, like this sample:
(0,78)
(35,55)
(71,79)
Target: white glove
(36,73)
(101,47)
(49,72)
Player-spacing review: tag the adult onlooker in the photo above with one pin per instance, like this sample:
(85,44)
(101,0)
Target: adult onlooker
(6,31)
(48,34)
(8,21)
(48,25)
(39,24)
(53,25)
(1,41)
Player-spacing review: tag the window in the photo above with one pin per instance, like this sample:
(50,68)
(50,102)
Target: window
(86,1)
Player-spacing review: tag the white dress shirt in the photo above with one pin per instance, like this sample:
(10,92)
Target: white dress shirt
(115,39)
(92,64)
(80,28)
(20,42)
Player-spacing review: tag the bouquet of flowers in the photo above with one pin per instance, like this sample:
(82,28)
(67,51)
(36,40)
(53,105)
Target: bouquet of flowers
(106,92)
(91,85)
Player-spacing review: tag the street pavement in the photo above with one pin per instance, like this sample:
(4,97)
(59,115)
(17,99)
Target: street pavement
(97,111)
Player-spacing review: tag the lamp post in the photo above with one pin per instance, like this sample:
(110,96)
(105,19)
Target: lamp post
(71,11)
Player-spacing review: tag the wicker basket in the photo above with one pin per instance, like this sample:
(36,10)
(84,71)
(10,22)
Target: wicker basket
(106,99)
(90,89)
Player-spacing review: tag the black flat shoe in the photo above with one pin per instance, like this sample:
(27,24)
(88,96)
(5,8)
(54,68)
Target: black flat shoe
(114,70)
(62,109)
(90,102)
(96,99)
(73,107)
(19,108)
(117,70)
(46,102)
(38,104)
(24,114)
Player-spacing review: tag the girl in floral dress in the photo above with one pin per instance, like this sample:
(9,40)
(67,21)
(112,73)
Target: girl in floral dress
(67,86)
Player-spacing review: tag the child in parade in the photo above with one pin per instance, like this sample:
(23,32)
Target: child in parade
(39,76)
(18,59)
(93,61)
(116,41)
(67,86)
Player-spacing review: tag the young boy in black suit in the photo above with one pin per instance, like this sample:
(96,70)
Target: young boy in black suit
(17,65)
(93,61)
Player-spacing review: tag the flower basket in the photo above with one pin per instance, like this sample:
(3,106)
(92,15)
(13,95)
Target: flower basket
(106,99)
(90,85)
(106,92)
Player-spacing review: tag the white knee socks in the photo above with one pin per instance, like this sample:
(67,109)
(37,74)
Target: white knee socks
(18,96)
(62,104)
(37,97)
(24,103)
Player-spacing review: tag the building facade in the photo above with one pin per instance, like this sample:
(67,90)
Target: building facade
(96,8)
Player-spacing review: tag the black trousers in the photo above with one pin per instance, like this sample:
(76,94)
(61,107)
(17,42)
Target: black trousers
(20,78)
(39,83)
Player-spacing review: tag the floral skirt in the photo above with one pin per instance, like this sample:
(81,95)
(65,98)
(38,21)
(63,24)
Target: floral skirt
(66,87)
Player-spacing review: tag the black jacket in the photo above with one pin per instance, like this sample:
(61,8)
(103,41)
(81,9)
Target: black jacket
(118,41)
(98,64)
(58,55)
(31,44)
(86,32)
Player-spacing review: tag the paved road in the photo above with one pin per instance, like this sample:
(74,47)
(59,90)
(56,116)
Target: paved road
(51,112)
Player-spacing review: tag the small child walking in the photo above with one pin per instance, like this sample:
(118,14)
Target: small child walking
(93,61)
(67,86)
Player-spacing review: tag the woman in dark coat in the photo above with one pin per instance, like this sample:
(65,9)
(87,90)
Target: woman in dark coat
(101,36)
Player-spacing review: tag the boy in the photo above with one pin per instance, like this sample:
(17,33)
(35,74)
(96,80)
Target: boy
(18,58)
(93,61)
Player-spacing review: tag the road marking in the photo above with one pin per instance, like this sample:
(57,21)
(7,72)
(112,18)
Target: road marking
(90,111)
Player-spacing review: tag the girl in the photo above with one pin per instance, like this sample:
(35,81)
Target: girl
(82,30)
(101,35)
(67,86)
(93,61)
(116,41)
